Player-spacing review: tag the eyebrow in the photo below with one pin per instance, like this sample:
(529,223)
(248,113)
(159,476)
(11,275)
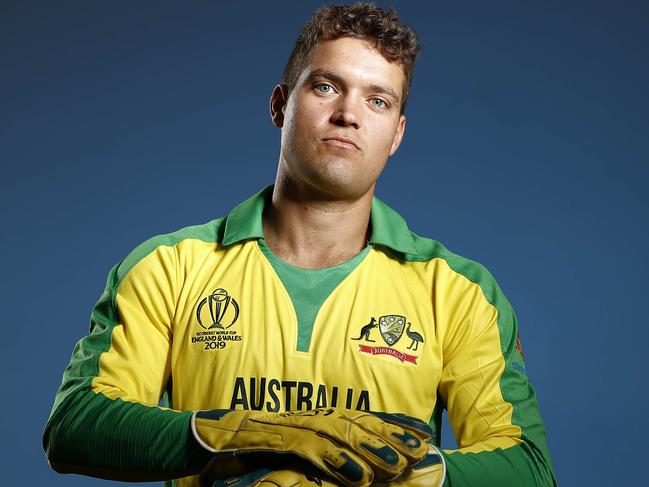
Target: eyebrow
(325,73)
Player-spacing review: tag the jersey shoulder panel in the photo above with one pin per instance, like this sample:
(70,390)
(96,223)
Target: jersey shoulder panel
(460,277)
(210,232)
(429,249)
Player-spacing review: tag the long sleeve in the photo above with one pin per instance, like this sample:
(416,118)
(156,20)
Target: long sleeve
(491,405)
(106,421)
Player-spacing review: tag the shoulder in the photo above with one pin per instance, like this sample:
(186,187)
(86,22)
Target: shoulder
(451,265)
(210,233)
(391,231)
(466,290)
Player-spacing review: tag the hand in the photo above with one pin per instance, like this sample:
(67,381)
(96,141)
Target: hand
(298,474)
(429,472)
(353,447)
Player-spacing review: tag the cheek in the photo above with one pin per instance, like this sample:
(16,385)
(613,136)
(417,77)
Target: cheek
(298,121)
(387,131)
(293,125)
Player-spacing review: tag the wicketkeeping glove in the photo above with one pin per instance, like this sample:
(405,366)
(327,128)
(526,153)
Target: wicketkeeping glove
(295,475)
(429,472)
(353,447)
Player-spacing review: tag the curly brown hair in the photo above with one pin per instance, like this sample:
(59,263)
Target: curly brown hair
(396,41)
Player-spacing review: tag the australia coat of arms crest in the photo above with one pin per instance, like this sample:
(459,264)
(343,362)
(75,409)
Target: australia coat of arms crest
(391,327)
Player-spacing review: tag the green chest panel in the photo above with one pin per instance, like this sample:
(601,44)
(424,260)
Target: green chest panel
(309,288)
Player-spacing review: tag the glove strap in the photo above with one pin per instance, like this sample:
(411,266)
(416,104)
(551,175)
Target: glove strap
(433,457)
(197,436)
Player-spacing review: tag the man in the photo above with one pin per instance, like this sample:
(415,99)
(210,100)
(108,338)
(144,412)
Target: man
(311,297)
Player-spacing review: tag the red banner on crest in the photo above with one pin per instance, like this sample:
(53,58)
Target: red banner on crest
(404,357)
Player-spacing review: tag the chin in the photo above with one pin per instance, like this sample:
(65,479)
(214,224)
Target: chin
(342,186)
(335,177)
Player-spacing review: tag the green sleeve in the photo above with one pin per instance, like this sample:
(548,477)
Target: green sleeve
(92,435)
(518,466)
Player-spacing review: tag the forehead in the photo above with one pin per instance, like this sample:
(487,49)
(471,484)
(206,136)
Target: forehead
(355,60)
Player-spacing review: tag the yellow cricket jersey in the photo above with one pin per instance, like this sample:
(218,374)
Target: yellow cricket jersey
(208,318)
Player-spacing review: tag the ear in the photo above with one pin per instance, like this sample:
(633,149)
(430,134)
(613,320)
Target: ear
(278,100)
(398,136)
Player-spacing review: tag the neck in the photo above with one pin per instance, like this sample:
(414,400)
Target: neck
(313,231)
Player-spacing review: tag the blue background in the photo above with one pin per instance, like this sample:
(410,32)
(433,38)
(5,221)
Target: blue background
(526,149)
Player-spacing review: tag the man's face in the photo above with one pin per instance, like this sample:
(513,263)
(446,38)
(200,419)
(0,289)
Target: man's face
(342,120)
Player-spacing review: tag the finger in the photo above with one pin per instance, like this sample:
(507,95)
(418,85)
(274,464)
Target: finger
(244,480)
(252,432)
(296,476)
(408,439)
(416,425)
(237,464)
(342,428)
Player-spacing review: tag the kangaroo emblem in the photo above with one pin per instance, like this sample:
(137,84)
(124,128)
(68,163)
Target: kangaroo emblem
(365,331)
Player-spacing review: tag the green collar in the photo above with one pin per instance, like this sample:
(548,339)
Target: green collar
(244,221)
(388,228)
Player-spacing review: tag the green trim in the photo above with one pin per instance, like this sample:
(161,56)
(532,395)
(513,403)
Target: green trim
(245,220)
(84,364)
(212,231)
(389,229)
(309,288)
(435,422)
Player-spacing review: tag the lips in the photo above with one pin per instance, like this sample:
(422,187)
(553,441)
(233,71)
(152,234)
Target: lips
(341,142)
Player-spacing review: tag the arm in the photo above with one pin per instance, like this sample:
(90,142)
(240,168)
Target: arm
(491,405)
(105,421)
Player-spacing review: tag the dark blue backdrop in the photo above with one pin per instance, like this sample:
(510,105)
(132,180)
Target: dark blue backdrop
(526,149)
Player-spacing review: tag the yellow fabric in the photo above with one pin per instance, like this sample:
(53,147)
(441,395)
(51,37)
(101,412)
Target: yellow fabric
(138,364)
(473,366)
(255,361)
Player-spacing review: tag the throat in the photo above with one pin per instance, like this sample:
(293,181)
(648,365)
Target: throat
(314,256)
(312,233)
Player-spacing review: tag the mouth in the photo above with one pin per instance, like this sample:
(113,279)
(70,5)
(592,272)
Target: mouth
(343,142)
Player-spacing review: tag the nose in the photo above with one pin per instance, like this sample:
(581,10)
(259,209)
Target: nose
(346,113)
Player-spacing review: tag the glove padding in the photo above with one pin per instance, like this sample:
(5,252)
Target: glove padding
(353,447)
(429,472)
(294,475)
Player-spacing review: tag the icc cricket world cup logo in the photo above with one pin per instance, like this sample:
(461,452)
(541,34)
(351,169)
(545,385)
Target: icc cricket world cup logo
(223,310)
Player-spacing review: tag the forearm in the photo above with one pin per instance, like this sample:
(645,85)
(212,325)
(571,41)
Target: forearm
(521,465)
(93,435)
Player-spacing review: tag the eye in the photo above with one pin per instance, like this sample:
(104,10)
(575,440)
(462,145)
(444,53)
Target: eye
(378,103)
(324,88)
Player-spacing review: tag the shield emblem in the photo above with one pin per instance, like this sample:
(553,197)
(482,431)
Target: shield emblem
(391,328)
